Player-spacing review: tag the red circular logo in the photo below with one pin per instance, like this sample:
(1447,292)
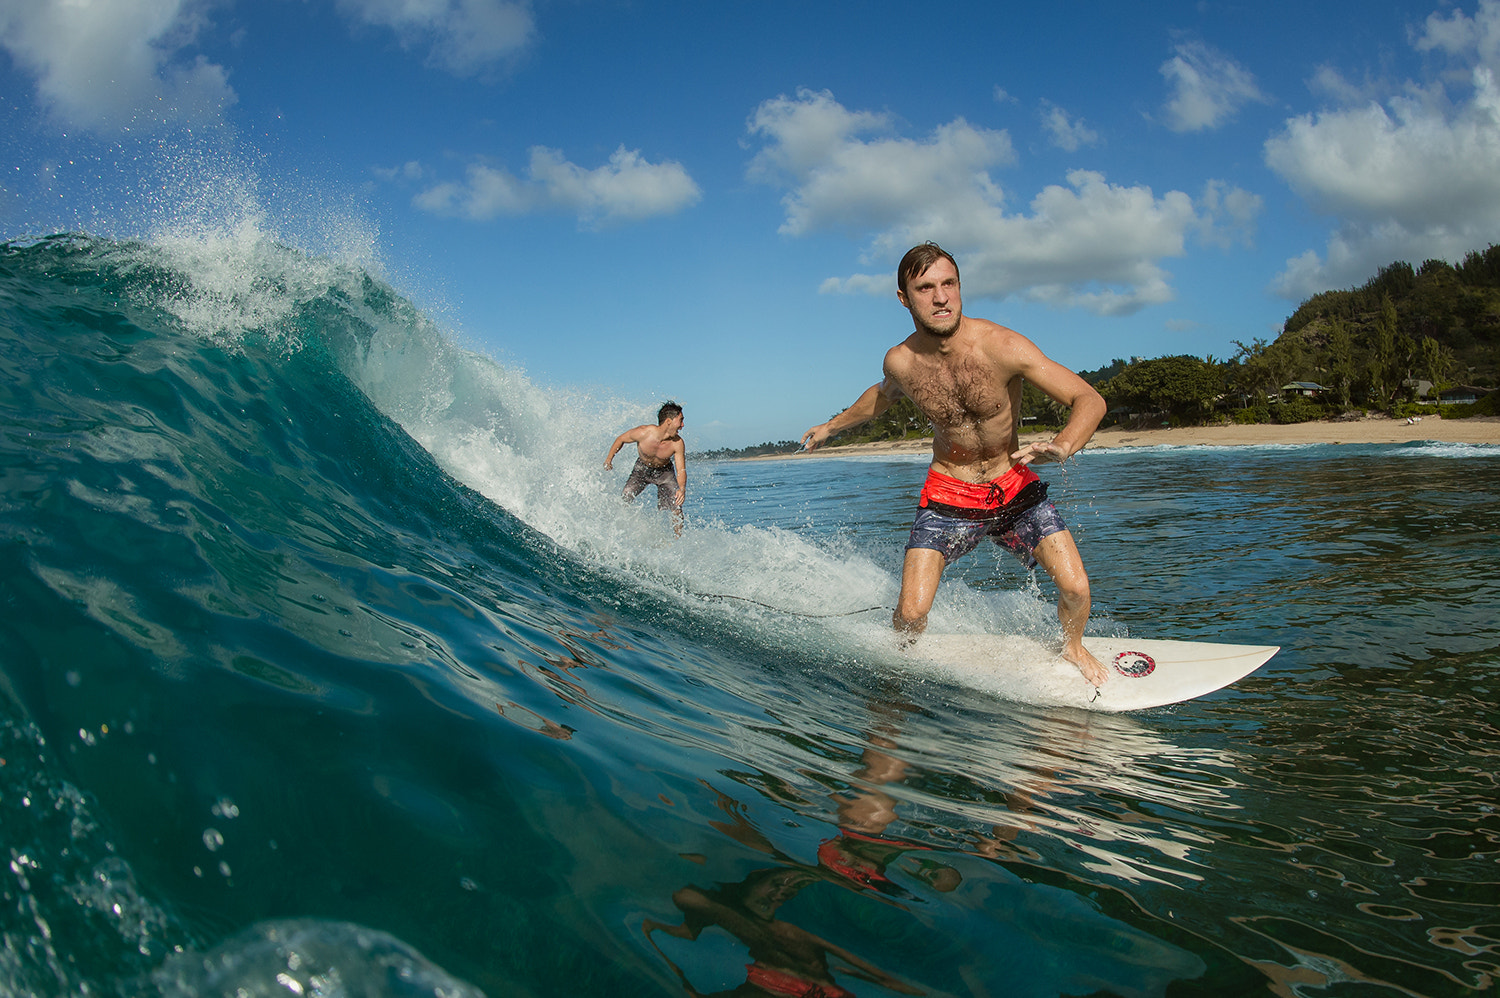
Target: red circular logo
(1135,664)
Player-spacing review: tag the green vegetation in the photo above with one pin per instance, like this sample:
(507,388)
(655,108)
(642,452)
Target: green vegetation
(901,421)
(1397,344)
(1402,340)
(758,450)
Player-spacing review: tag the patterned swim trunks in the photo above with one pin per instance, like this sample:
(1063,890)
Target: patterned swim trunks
(1013,511)
(664,477)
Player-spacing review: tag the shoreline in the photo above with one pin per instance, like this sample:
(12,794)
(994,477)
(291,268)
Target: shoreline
(1365,430)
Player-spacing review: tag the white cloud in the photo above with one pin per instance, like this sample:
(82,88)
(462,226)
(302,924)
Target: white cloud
(858,284)
(1067,134)
(108,64)
(839,180)
(1414,178)
(808,132)
(1090,244)
(1463,36)
(487,193)
(462,36)
(410,170)
(1228,214)
(1331,85)
(627,188)
(1207,88)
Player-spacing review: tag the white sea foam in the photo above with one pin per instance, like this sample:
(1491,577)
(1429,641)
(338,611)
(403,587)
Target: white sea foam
(1438,448)
(539,451)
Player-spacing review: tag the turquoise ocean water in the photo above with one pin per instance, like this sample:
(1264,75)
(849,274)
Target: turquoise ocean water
(331,664)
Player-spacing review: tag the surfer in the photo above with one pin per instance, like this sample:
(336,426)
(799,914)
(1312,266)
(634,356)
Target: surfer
(661,460)
(965,375)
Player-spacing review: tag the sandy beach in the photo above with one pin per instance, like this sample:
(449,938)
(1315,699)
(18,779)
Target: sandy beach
(1366,430)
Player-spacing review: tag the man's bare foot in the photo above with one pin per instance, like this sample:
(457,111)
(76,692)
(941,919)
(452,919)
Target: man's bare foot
(907,631)
(1093,670)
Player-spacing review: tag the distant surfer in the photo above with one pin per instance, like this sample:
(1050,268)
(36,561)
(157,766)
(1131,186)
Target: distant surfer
(965,375)
(661,460)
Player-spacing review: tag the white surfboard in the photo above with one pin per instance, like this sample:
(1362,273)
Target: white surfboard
(1142,672)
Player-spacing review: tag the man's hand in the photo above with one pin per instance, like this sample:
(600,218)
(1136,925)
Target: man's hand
(609,464)
(1041,452)
(814,438)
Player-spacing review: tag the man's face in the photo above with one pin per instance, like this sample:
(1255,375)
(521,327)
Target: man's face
(675,424)
(934,299)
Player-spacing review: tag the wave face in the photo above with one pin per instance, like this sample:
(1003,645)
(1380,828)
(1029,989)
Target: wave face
(330,662)
(265,653)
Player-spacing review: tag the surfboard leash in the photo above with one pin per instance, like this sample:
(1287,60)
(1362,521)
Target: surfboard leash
(793,613)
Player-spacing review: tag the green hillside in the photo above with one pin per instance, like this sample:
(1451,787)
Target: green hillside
(1436,322)
(1405,338)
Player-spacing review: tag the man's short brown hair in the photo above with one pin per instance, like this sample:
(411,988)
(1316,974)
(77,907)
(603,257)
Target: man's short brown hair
(918,260)
(667,411)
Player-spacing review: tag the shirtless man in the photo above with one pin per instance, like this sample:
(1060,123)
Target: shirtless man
(661,460)
(965,375)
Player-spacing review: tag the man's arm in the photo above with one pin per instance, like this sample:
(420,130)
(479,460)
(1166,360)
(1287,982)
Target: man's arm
(679,451)
(1086,408)
(628,437)
(875,400)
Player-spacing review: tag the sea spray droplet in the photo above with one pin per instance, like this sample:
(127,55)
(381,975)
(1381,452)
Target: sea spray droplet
(225,808)
(212,840)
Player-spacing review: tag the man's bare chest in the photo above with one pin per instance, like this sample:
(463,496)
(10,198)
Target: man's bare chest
(657,451)
(958,394)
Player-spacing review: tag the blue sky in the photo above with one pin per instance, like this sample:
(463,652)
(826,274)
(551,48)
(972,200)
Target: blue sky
(707,200)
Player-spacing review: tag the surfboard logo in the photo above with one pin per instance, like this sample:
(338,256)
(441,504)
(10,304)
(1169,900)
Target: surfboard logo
(1134,664)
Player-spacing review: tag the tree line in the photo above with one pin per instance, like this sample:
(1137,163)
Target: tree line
(1393,344)
(1406,336)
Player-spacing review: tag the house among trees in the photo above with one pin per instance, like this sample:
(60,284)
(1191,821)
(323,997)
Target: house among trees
(1463,394)
(1303,389)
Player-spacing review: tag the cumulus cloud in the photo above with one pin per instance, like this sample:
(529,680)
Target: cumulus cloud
(627,188)
(1087,244)
(1464,36)
(106,64)
(1412,178)
(1227,214)
(463,37)
(1207,88)
(1067,134)
(839,180)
